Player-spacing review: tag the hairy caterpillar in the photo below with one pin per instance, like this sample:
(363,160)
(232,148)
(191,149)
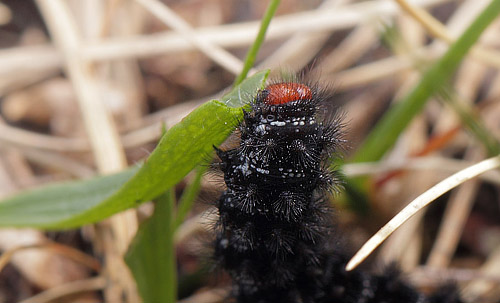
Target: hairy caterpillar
(275,235)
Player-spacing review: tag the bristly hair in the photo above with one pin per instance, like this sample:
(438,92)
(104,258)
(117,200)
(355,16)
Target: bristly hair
(276,234)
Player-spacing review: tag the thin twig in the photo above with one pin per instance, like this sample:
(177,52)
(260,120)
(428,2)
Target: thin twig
(425,275)
(380,69)
(10,135)
(32,59)
(302,46)
(68,289)
(213,51)
(437,29)
(453,223)
(421,201)
(103,136)
(242,34)
(58,161)
(350,49)
(64,250)
(27,58)
(438,164)
(98,123)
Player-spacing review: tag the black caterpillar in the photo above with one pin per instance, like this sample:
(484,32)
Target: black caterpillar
(275,235)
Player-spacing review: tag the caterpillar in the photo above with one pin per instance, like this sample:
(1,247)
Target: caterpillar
(276,234)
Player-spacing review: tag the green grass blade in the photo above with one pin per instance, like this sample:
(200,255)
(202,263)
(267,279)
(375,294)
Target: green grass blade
(189,195)
(471,121)
(385,134)
(183,147)
(151,255)
(252,53)
(447,94)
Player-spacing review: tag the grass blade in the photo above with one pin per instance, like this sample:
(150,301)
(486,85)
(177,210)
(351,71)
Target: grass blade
(252,53)
(151,255)
(385,134)
(189,195)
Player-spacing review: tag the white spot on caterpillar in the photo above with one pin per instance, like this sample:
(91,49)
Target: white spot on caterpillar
(244,169)
(262,171)
(278,123)
(260,129)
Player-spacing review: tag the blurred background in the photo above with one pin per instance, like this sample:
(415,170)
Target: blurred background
(85,87)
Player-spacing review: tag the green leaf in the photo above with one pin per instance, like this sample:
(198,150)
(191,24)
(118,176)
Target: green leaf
(180,149)
(186,144)
(51,203)
(73,204)
(386,132)
(243,93)
(151,255)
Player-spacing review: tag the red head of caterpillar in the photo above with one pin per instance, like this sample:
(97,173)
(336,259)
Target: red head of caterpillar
(281,93)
